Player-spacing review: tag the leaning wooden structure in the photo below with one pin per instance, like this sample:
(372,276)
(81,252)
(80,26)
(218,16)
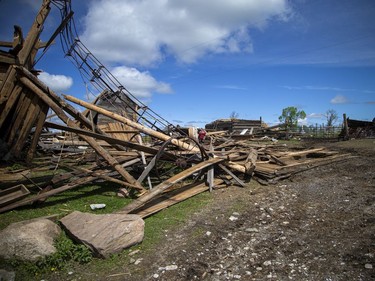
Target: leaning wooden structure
(20,109)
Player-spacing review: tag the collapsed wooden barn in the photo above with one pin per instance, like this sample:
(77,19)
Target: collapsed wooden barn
(114,125)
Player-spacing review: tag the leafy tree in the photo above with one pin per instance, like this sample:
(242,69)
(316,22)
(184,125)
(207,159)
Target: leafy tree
(331,116)
(290,116)
(233,115)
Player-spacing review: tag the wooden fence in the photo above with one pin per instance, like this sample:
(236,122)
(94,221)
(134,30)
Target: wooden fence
(318,131)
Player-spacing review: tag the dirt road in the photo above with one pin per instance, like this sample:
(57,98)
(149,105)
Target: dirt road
(318,225)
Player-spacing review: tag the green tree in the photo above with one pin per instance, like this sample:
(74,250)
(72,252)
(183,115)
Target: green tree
(331,116)
(290,116)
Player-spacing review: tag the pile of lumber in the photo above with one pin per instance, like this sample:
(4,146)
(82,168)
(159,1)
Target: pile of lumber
(146,162)
(220,162)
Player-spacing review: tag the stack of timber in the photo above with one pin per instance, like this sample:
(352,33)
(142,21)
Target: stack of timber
(236,128)
(272,162)
(360,129)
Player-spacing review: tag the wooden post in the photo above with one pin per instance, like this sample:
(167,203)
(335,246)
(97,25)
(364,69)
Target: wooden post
(210,177)
(346,128)
(139,139)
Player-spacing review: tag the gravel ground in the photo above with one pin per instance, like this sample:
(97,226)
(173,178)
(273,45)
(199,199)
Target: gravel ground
(317,225)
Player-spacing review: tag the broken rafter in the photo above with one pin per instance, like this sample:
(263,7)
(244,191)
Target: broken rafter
(108,139)
(133,124)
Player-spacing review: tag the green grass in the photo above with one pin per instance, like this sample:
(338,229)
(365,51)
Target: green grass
(79,199)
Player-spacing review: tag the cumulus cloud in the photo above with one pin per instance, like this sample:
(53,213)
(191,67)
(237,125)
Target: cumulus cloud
(144,32)
(339,99)
(58,83)
(140,84)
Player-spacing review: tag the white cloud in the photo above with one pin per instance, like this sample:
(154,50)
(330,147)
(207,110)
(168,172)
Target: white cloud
(302,121)
(144,32)
(140,84)
(58,83)
(339,99)
(325,88)
(316,115)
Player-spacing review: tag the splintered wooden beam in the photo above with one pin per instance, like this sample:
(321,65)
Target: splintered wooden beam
(133,124)
(108,139)
(25,56)
(168,183)
(91,141)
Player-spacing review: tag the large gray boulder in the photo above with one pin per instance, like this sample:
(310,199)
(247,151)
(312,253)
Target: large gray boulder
(29,240)
(104,234)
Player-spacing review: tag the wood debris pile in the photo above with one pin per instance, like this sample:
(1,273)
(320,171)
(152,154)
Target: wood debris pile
(360,129)
(157,166)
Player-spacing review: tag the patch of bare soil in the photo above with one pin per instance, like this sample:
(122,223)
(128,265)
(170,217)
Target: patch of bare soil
(318,225)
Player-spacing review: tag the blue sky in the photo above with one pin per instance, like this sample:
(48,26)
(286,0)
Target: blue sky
(196,61)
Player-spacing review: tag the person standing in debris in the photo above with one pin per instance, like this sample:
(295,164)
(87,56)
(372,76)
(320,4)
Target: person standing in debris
(202,135)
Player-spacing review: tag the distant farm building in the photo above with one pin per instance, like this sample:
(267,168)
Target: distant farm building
(236,126)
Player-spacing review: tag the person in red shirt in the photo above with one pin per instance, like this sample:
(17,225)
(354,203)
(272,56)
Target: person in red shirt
(202,135)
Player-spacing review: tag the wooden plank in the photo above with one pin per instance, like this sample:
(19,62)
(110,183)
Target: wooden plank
(168,183)
(31,116)
(19,116)
(8,59)
(240,182)
(173,197)
(289,154)
(9,93)
(147,170)
(6,44)
(44,195)
(12,194)
(236,167)
(271,171)
(250,162)
(101,175)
